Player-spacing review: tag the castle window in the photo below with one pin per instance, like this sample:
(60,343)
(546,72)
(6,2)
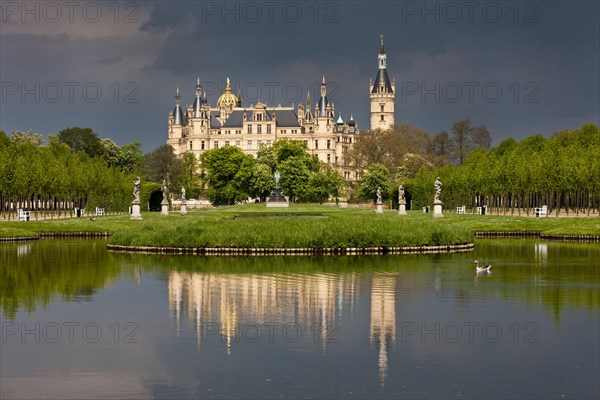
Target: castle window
(259,128)
(191,145)
(382,108)
(306,143)
(328,143)
(329,158)
(250,129)
(216,144)
(382,118)
(269,128)
(258,143)
(259,117)
(226,143)
(316,144)
(202,145)
(268,143)
(237,143)
(249,145)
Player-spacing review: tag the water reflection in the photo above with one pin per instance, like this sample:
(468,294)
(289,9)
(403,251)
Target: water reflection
(383,318)
(235,301)
(199,317)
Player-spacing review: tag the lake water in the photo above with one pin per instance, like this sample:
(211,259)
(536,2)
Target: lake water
(80,322)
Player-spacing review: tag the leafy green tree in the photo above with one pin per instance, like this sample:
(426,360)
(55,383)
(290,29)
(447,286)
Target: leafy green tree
(189,175)
(81,140)
(325,183)
(295,174)
(160,162)
(262,181)
(266,155)
(285,148)
(227,171)
(377,176)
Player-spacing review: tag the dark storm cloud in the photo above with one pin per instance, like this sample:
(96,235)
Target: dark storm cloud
(109,60)
(543,56)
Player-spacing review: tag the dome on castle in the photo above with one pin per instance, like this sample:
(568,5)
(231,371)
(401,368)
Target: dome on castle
(227,99)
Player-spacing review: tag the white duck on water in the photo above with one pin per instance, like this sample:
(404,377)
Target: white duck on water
(481,268)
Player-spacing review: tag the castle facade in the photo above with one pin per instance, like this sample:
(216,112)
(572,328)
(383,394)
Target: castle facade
(201,127)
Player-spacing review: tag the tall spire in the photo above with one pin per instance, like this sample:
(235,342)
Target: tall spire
(308,100)
(177,112)
(382,58)
(323,99)
(198,100)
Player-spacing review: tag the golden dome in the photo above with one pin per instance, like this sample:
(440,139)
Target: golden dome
(227,99)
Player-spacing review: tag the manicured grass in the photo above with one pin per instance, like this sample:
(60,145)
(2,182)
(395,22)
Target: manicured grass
(300,225)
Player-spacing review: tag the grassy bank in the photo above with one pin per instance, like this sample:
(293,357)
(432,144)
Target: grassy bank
(320,228)
(298,226)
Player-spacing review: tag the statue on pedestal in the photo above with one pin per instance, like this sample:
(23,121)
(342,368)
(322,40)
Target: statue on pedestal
(182,193)
(379,196)
(401,195)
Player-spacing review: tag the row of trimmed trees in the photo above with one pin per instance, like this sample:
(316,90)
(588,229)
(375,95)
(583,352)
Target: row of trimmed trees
(53,178)
(562,172)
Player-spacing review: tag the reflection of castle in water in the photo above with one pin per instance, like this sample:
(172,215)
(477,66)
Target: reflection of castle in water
(314,302)
(383,318)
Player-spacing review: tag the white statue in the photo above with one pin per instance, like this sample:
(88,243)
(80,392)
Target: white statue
(378,195)
(182,193)
(136,190)
(401,198)
(438,189)
(164,190)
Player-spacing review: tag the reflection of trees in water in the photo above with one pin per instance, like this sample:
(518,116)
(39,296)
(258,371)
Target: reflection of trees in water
(32,274)
(557,275)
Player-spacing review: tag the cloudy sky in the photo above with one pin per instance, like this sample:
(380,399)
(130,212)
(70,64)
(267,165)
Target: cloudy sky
(518,67)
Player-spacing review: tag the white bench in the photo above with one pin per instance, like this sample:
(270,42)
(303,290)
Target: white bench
(100,211)
(460,210)
(541,211)
(23,215)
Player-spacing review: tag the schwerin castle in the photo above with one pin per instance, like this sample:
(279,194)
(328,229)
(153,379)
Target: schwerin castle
(200,127)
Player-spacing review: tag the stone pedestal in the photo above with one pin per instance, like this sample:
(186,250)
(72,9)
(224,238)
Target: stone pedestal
(277,199)
(402,208)
(135,211)
(164,208)
(379,209)
(437,209)
(183,210)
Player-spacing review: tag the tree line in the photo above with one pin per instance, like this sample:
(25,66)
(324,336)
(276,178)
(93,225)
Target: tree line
(53,177)
(562,172)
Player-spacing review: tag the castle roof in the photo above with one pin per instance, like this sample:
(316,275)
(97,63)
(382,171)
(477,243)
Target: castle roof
(382,76)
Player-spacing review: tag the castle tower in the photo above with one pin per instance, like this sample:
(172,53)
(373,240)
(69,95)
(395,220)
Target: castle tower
(382,95)
(176,122)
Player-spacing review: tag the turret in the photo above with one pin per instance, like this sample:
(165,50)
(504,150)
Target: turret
(198,100)
(177,112)
(382,95)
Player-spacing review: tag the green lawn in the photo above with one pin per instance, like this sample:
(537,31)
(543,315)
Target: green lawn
(300,225)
